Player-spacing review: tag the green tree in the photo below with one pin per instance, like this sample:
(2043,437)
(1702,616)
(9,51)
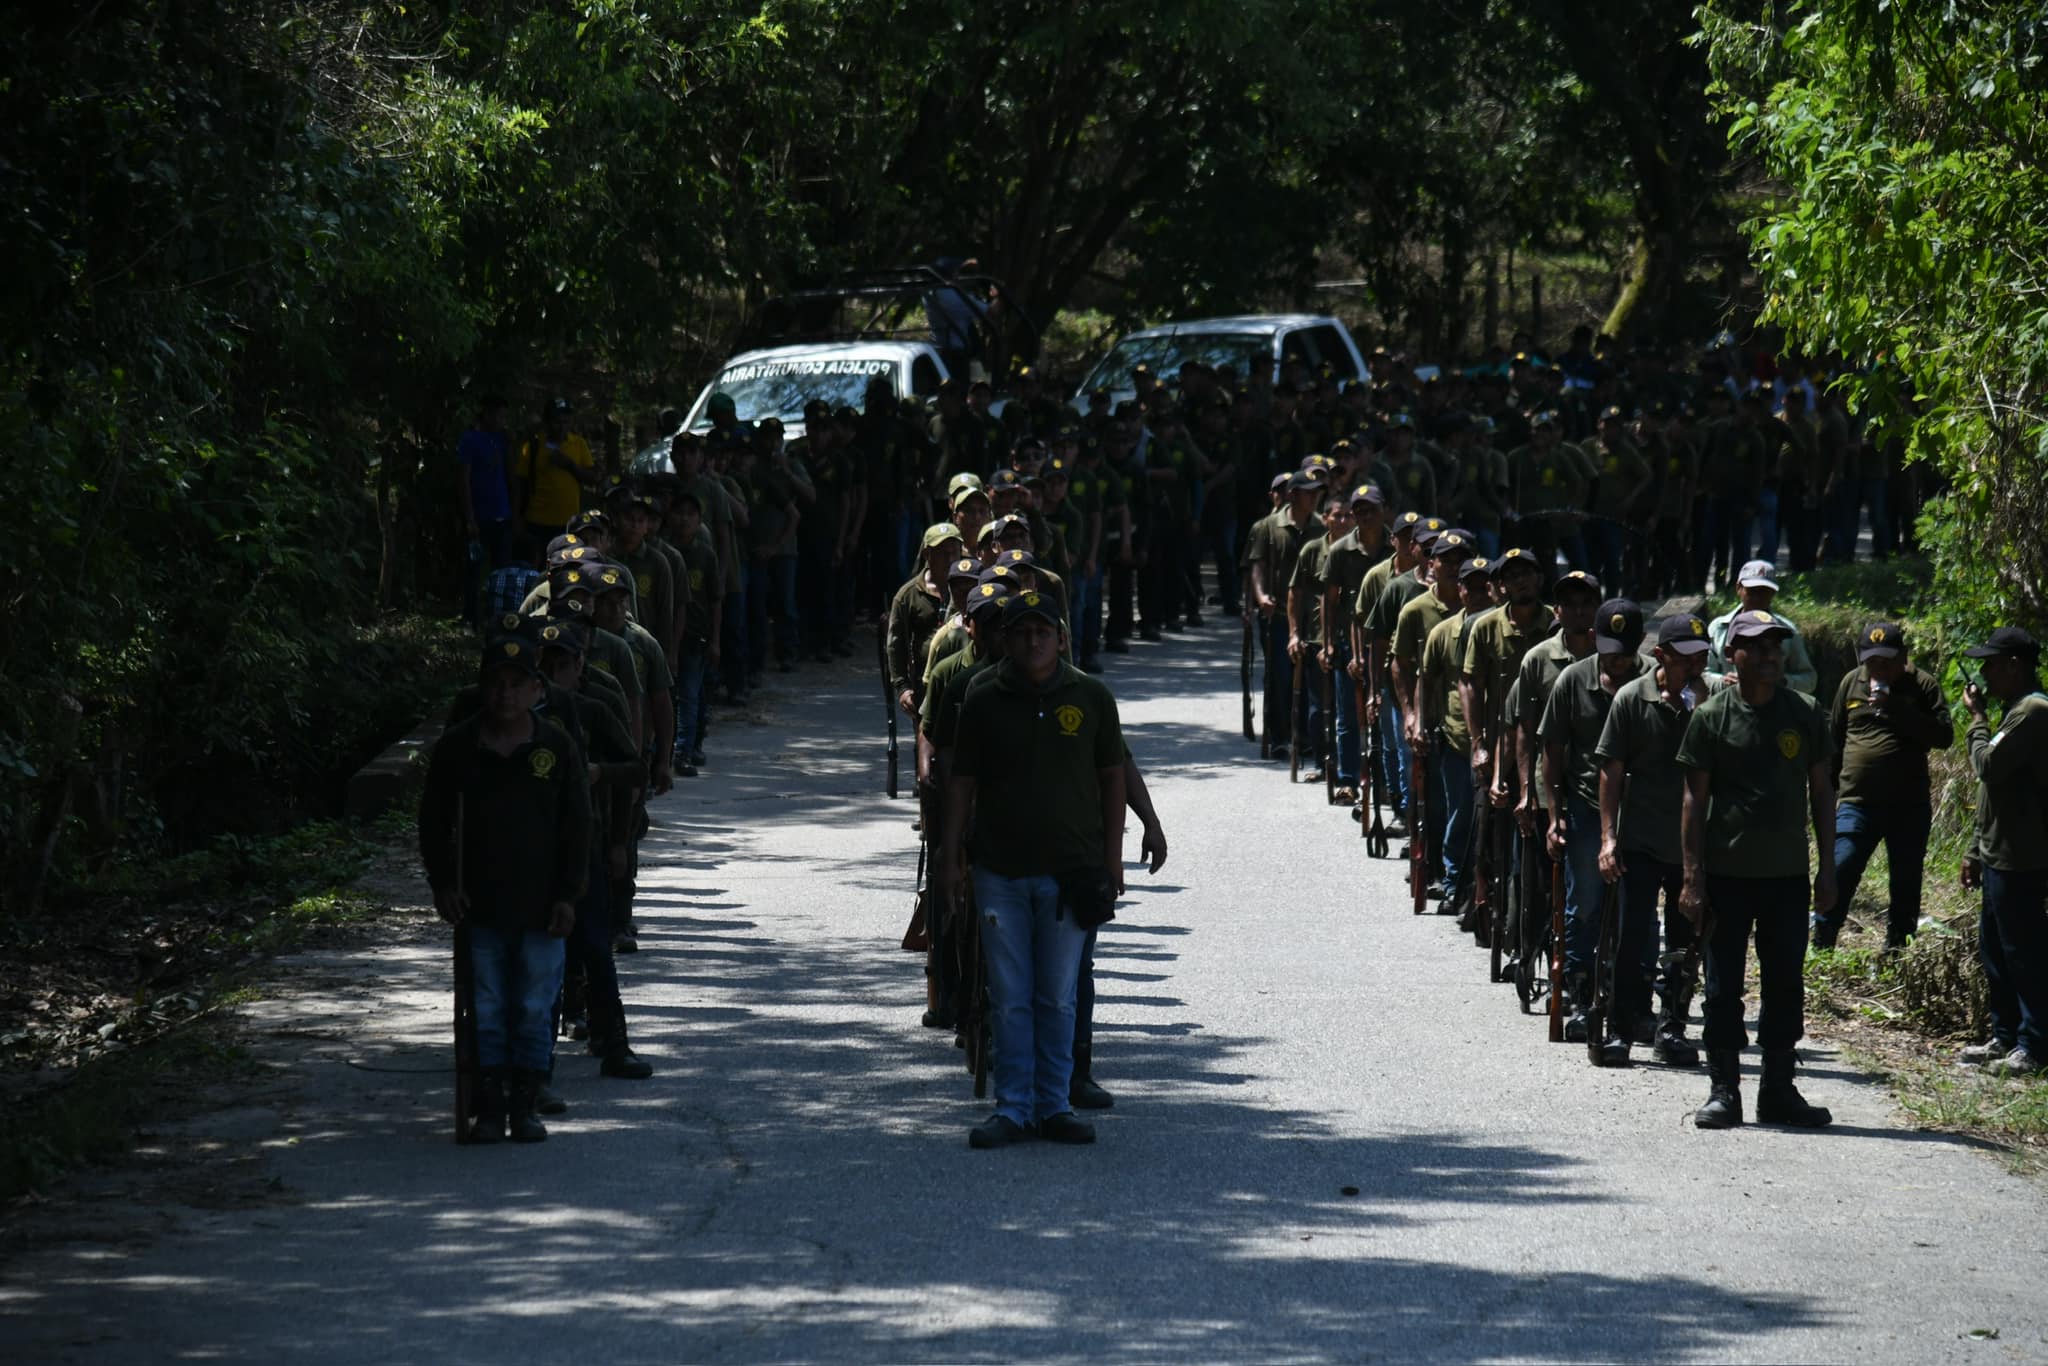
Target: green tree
(1908,148)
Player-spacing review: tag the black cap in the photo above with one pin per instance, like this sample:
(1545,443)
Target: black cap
(1029,603)
(585,520)
(1005,479)
(1574,579)
(1683,633)
(1368,493)
(1881,640)
(569,633)
(610,578)
(1618,627)
(1451,544)
(1513,557)
(1755,625)
(1478,567)
(965,568)
(517,650)
(1280,483)
(1017,559)
(987,595)
(2010,642)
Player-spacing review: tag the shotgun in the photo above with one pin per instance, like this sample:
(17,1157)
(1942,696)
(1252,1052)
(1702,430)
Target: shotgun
(1377,844)
(1294,721)
(1329,734)
(1418,827)
(1244,675)
(465,999)
(1556,949)
(888,698)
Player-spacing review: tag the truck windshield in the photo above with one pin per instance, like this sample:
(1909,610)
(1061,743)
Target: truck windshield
(780,388)
(1166,354)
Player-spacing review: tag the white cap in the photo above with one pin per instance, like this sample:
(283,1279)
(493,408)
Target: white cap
(1757,574)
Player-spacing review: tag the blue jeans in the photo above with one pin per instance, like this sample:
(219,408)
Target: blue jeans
(1766,526)
(1394,752)
(1088,613)
(1347,720)
(1647,878)
(2012,942)
(1453,777)
(1583,885)
(1775,907)
(1034,961)
(590,942)
(1604,543)
(1859,829)
(517,974)
(782,604)
(689,697)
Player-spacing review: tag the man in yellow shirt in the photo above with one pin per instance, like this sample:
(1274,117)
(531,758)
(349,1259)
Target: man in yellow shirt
(554,467)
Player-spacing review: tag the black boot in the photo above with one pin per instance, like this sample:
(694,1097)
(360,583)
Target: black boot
(1670,1046)
(1778,1101)
(546,1100)
(490,1107)
(1723,1109)
(1578,989)
(1082,1092)
(619,1059)
(526,1126)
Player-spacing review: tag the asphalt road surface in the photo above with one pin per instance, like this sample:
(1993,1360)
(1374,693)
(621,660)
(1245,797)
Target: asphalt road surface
(795,1184)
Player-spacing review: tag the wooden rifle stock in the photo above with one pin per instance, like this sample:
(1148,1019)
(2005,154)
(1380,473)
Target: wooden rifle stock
(1418,827)
(1556,949)
(1244,675)
(1294,726)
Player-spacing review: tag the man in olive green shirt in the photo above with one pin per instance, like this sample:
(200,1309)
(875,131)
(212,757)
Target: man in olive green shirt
(1305,623)
(1758,758)
(1641,793)
(1352,557)
(1434,602)
(1381,709)
(1569,731)
(1888,715)
(2010,859)
(1285,533)
(1443,718)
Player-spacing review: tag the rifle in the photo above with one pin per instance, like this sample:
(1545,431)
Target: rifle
(465,1001)
(888,698)
(1418,827)
(1294,722)
(1529,922)
(1481,868)
(1244,675)
(1502,830)
(1329,735)
(1377,845)
(1556,949)
(1603,971)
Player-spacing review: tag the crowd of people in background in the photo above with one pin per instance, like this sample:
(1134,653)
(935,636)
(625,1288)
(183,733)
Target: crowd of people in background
(1444,570)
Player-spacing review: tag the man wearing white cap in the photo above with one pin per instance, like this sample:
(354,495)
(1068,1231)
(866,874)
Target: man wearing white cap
(1757,589)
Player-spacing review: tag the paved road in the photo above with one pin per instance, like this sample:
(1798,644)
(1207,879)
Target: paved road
(795,1185)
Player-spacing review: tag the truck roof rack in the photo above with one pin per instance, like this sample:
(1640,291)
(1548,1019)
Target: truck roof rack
(886,305)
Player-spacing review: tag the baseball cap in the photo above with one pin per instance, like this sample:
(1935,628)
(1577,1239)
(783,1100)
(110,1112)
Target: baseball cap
(1618,627)
(1516,556)
(963,480)
(1451,542)
(987,596)
(1755,625)
(2007,641)
(963,493)
(1881,640)
(1478,567)
(1576,579)
(1280,483)
(1683,633)
(1757,574)
(964,568)
(1029,603)
(1408,523)
(1369,493)
(515,650)
(938,533)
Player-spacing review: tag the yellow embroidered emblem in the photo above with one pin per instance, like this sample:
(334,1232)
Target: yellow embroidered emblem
(1788,743)
(511,648)
(1699,628)
(543,762)
(1876,634)
(1069,718)
(1617,622)
(645,583)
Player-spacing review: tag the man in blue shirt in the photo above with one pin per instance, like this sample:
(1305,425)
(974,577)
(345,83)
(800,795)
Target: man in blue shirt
(486,499)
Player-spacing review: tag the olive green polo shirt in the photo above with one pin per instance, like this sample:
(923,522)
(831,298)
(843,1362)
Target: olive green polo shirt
(1349,563)
(939,714)
(1756,761)
(1493,656)
(612,656)
(1037,755)
(1883,759)
(1623,472)
(1282,547)
(1385,615)
(1542,665)
(1441,704)
(914,616)
(2012,787)
(1374,582)
(1574,717)
(1311,572)
(1643,732)
(1421,615)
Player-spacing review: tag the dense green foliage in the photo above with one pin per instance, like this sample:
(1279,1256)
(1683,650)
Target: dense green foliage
(262,249)
(1909,143)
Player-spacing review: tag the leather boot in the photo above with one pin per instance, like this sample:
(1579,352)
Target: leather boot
(1670,1046)
(1578,991)
(526,1126)
(490,1107)
(1082,1092)
(546,1100)
(1723,1109)
(619,1059)
(1778,1101)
